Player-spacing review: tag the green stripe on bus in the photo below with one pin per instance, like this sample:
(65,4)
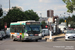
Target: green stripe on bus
(22,35)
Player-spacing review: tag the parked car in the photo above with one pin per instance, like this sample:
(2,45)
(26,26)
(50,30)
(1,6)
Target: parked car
(70,35)
(46,32)
(8,32)
(3,34)
(1,37)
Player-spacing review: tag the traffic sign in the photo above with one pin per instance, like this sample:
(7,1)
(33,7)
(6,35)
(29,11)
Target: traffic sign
(50,19)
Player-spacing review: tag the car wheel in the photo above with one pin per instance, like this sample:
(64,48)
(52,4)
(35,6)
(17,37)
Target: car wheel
(65,39)
(4,37)
(42,35)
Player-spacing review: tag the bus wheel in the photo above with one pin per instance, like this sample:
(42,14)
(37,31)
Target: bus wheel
(36,40)
(1,39)
(13,39)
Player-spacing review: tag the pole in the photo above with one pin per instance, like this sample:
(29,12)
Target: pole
(50,32)
(55,26)
(0,6)
(9,4)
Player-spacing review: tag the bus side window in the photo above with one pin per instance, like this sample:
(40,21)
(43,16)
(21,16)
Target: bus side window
(12,29)
(23,29)
(20,31)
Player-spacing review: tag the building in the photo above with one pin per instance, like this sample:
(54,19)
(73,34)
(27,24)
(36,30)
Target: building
(50,13)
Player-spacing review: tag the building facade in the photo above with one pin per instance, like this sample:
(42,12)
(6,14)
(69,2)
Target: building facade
(50,13)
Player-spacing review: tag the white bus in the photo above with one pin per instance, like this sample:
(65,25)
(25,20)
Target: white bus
(25,30)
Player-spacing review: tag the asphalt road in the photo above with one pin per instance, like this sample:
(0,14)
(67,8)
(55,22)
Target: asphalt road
(60,44)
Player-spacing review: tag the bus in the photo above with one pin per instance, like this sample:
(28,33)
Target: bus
(25,30)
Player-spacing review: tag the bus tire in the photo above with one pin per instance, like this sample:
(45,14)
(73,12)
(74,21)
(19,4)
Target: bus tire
(36,40)
(13,38)
(1,39)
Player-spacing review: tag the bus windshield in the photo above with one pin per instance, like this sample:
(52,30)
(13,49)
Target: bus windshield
(33,28)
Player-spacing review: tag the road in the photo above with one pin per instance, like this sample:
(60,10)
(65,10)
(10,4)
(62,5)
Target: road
(60,44)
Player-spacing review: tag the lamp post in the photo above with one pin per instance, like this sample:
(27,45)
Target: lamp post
(50,31)
(0,6)
(56,26)
(9,4)
(50,20)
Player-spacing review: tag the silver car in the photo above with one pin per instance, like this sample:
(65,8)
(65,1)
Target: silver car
(45,32)
(1,36)
(70,35)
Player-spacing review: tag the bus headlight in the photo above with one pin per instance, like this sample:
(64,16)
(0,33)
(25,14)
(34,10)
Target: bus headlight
(26,34)
(40,34)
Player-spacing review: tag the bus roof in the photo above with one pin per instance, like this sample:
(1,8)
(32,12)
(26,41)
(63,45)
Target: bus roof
(22,22)
(15,23)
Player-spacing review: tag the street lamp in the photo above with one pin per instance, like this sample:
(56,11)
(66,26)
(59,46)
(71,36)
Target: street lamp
(9,4)
(50,20)
(55,26)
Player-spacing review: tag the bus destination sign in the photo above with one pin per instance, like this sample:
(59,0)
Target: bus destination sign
(32,23)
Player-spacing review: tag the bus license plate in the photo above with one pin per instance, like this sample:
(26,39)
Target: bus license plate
(31,34)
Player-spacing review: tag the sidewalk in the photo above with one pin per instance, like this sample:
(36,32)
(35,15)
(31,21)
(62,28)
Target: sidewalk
(54,37)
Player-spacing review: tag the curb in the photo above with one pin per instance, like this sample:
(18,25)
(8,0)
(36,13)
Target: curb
(54,39)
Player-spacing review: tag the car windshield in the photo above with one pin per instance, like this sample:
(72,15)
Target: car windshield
(45,31)
(70,31)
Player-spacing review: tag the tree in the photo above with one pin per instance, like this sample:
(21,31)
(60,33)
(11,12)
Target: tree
(70,20)
(73,18)
(16,14)
(70,5)
(61,20)
(31,15)
(1,12)
(43,24)
(72,23)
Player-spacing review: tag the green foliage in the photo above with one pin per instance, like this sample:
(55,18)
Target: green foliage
(1,12)
(43,24)
(16,14)
(71,21)
(73,18)
(61,20)
(31,15)
(70,5)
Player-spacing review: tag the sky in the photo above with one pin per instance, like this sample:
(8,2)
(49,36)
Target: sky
(38,6)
